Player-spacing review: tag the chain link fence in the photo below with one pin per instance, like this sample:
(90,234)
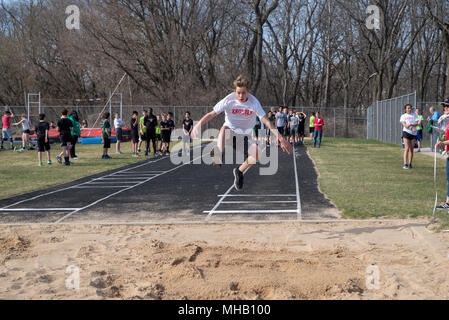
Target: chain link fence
(383,118)
(338,122)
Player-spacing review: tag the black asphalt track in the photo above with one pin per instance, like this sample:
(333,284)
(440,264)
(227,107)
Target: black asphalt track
(175,194)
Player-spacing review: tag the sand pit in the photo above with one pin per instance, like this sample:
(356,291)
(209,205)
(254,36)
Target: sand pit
(269,261)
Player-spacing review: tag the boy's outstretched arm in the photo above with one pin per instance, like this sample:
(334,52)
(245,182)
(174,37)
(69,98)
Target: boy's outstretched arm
(285,145)
(208,117)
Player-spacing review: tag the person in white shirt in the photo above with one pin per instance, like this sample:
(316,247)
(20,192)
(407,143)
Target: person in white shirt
(25,130)
(118,125)
(241,110)
(409,122)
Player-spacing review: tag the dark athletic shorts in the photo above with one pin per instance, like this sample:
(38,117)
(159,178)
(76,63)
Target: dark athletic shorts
(42,146)
(408,136)
(27,131)
(166,137)
(106,143)
(281,130)
(158,137)
(312,129)
(119,134)
(135,136)
(66,139)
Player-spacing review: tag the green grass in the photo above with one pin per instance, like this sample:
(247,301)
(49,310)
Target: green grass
(20,173)
(365,179)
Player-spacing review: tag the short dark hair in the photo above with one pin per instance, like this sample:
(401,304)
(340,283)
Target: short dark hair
(65,112)
(136,113)
(106,115)
(7,112)
(188,112)
(41,116)
(405,108)
(170,114)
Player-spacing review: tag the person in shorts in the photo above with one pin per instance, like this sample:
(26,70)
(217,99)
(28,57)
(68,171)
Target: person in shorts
(165,133)
(293,124)
(301,126)
(241,110)
(43,140)
(135,133)
(150,123)
(419,127)
(76,133)
(25,130)
(272,118)
(281,120)
(65,134)
(118,126)
(187,126)
(409,121)
(106,135)
(312,125)
(6,129)
(158,135)
(142,130)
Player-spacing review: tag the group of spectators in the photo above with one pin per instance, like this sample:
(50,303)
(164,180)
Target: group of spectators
(291,123)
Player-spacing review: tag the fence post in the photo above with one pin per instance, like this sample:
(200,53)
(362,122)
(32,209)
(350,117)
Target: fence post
(335,126)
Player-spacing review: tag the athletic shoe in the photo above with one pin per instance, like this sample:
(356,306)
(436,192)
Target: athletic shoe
(118,153)
(102,157)
(75,158)
(138,150)
(49,162)
(107,157)
(405,167)
(238,179)
(59,159)
(443,206)
(67,163)
(1,148)
(41,164)
(418,150)
(410,166)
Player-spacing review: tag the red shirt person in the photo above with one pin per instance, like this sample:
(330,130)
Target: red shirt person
(318,133)
(6,129)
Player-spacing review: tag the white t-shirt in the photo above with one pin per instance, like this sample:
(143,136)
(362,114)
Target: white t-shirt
(409,119)
(118,123)
(240,117)
(26,125)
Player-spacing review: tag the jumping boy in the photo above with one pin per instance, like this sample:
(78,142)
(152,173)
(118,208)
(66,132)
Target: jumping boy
(43,143)
(241,109)
(6,130)
(65,133)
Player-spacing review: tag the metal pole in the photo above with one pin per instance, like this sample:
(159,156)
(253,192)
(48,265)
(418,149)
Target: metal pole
(39,103)
(121,106)
(110,103)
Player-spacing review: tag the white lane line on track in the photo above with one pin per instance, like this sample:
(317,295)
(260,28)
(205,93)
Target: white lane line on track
(75,186)
(37,209)
(126,189)
(252,211)
(277,201)
(256,195)
(298,197)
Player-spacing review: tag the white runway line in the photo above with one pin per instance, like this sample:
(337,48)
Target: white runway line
(126,189)
(252,211)
(99,187)
(71,187)
(37,209)
(298,197)
(256,195)
(277,201)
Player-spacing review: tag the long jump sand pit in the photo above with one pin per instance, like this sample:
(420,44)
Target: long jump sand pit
(233,261)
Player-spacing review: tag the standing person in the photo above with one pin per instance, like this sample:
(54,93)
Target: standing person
(158,135)
(25,130)
(256,129)
(241,109)
(150,123)
(312,125)
(281,120)
(52,125)
(171,127)
(445,144)
(6,129)
(118,126)
(135,132)
(433,119)
(409,121)
(272,118)
(419,130)
(187,126)
(43,140)
(301,126)
(106,135)
(65,133)
(318,130)
(142,130)
(76,133)
(165,133)
(294,125)
(85,124)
